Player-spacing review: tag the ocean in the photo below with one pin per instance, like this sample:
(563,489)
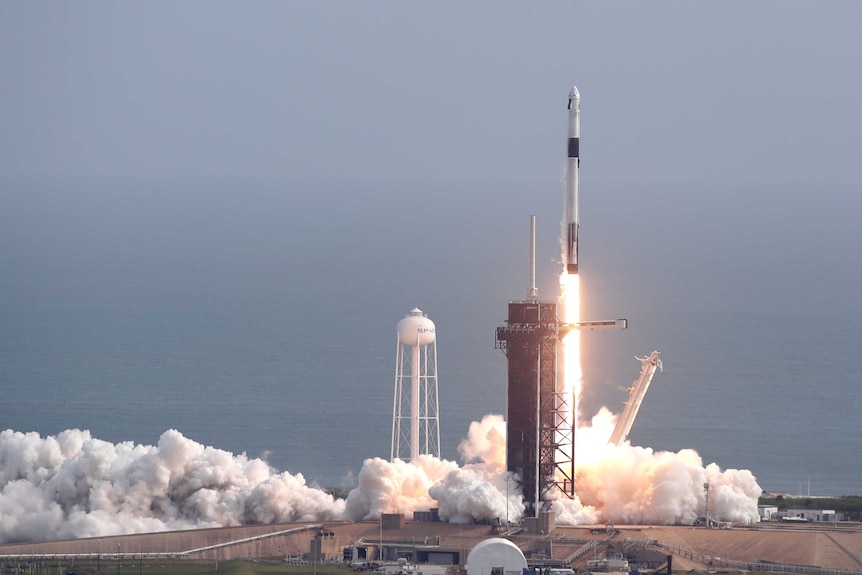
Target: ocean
(259,317)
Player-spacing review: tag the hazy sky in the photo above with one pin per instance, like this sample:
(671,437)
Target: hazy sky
(738,121)
(671,91)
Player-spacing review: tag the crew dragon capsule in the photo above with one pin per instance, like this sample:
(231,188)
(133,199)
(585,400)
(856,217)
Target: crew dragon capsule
(572,167)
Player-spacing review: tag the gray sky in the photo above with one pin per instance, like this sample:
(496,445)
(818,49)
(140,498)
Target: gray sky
(671,92)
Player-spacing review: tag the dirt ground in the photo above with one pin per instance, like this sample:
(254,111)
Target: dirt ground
(834,547)
(821,545)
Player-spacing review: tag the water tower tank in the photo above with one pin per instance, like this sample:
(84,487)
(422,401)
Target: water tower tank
(416,329)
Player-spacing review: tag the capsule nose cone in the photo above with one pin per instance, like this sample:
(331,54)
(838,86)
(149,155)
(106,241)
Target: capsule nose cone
(574,99)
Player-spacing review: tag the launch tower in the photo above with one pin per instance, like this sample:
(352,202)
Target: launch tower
(415,415)
(539,436)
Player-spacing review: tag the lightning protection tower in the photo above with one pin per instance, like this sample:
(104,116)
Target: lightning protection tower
(415,416)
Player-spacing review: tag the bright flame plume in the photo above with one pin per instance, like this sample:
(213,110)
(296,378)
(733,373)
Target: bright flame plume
(571,367)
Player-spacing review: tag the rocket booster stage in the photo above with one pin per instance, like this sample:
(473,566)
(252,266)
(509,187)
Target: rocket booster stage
(572,167)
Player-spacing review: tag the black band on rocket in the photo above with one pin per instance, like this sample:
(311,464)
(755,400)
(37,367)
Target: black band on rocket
(574,144)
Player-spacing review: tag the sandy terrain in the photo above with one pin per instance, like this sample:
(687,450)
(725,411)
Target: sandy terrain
(835,547)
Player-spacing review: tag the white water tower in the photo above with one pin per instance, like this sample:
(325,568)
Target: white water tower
(415,416)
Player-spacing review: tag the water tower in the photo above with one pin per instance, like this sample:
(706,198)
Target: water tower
(415,417)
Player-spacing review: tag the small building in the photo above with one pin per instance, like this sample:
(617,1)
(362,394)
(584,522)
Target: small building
(767,512)
(827,515)
(324,547)
(392,521)
(431,515)
(545,523)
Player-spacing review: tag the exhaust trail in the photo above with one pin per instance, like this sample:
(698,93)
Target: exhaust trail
(626,483)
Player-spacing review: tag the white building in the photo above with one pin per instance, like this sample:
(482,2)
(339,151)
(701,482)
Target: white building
(814,514)
(767,512)
(496,556)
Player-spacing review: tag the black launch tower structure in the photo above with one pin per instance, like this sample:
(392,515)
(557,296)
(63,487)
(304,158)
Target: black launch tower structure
(539,440)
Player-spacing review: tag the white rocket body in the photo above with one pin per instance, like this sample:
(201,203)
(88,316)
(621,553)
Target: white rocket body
(572,167)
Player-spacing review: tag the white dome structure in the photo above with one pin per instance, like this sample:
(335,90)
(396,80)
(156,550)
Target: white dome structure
(496,555)
(415,416)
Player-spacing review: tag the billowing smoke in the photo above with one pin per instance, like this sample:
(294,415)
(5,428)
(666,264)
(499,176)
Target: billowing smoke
(73,485)
(629,485)
(476,491)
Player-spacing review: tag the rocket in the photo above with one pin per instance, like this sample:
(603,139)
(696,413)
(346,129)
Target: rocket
(572,166)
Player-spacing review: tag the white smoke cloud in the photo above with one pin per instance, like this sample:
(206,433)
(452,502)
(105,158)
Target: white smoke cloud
(467,495)
(630,484)
(486,444)
(475,492)
(396,486)
(72,485)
